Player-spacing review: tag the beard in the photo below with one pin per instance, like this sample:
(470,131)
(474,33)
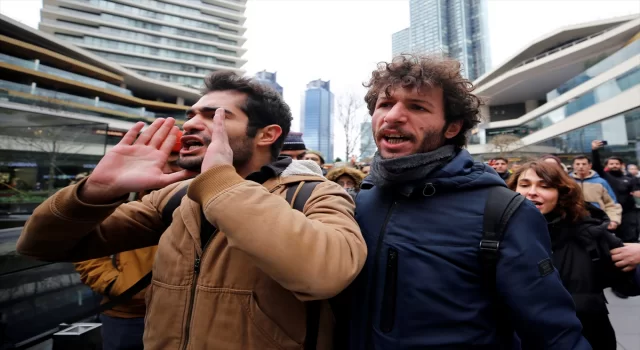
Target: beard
(242,148)
(431,140)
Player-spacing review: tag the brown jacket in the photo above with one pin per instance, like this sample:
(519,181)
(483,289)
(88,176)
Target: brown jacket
(112,275)
(255,273)
(595,193)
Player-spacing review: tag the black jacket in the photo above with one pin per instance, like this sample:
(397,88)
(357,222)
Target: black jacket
(581,256)
(621,184)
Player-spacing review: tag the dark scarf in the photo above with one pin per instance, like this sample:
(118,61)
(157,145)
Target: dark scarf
(397,171)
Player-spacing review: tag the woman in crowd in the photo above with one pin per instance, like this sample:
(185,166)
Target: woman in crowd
(581,246)
(349,178)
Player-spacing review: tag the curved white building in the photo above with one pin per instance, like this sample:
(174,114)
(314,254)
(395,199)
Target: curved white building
(177,41)
(572,86)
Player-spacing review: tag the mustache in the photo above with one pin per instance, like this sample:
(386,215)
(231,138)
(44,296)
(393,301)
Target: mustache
(206,139)
(380,133)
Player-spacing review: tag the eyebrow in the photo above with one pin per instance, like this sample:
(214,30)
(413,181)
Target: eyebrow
(414,100)
(206,109)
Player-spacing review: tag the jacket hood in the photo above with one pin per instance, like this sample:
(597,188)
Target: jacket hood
(592,175)
(353,173)
(461,173)
(287,169)
(593,226)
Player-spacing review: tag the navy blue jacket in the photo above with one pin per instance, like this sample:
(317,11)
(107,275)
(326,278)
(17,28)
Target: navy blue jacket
(421,286)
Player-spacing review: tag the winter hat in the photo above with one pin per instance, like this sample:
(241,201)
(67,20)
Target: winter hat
(294,142)
(317,154)
(178,145)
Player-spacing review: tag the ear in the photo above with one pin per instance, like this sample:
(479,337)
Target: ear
(268,135)
(453,129)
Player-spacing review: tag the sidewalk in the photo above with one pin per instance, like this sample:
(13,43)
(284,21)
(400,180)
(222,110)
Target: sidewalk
(625,317)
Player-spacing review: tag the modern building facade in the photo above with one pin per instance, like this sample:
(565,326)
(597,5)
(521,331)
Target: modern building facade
(317,118)
(577,84)
(454,28)
(177,41)
(269,79)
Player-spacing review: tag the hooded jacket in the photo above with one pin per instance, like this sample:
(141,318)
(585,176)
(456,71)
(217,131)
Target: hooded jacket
(621,184)
(594,177)
(422,286)
(597,195)
(353,173)
(246,286)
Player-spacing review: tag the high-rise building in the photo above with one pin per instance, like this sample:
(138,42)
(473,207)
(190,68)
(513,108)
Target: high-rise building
(178,41)
(269,79)
(367,144)
(317,118)
(454,28)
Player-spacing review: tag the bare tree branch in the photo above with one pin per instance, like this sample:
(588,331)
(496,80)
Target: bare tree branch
(350,116)
(505,143)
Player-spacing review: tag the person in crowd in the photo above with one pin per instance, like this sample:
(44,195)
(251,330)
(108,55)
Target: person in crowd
(348,178)
(294,146)
(317,158)
(632,170)
(596,190)
(581,246)
(501,166)
(123,325)
(626,189)
(421,213)
(366,169)
(550,158)
(237,264)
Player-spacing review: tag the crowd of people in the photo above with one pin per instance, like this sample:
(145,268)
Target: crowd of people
(254,246)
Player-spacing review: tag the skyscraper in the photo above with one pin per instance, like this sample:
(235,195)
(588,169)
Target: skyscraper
(269,79)
(177,41)
(454,28)
(367,143)
(317,118)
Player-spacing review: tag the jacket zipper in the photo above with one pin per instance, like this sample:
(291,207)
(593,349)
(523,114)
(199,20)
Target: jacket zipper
(374,281)
(196,273)
(388,308)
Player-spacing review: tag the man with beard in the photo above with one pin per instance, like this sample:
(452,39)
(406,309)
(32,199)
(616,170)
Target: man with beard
(625,187)
(421,213)
(237,263)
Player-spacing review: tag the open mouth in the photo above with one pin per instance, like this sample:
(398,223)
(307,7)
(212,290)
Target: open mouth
(537,204)
(395,138)
(191,144)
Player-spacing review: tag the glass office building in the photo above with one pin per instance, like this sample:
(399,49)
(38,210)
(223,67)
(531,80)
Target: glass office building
(317,118)
(173,41)
(454,28)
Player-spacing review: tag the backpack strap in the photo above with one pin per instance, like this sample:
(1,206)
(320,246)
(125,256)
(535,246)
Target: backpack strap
(297,196)
(500,205)
(172,205)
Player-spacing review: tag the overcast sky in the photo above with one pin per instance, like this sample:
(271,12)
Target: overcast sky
(341,40)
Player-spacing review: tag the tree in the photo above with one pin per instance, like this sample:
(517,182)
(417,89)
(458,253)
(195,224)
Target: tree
(337,160)
(56,142)
(350,116)
(505,143)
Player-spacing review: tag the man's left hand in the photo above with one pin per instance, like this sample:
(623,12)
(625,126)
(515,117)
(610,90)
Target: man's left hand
(627,257)
(612,226)
(219,151)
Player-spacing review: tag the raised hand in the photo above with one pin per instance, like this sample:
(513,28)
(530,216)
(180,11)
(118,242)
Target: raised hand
(219,151)
(596,144)
(134,165)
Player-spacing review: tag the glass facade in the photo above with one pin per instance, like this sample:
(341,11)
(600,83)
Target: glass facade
(149,33)
(318,118)
(455,28)
(269,79)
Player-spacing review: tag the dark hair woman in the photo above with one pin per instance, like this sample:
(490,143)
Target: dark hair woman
(580,243)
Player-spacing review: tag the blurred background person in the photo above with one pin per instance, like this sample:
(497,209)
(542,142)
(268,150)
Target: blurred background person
(348,178)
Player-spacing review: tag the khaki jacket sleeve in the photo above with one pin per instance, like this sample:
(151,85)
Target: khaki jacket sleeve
(98,274)
(315,254)
(613,209)
(63,228)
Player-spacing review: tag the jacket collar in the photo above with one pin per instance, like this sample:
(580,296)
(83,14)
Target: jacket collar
(270,171)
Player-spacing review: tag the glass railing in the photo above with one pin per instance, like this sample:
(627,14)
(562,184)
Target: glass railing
(601,93)
(61,73)
(618,57)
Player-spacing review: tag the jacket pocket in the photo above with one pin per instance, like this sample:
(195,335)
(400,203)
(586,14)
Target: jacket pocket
(388,309)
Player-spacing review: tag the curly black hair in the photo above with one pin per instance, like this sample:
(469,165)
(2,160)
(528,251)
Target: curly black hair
(264,106)
(417,71)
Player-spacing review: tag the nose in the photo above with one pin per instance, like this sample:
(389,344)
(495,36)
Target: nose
(397,114)
(193,125)
(532,193)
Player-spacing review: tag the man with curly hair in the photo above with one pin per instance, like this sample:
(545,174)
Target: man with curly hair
(421,213)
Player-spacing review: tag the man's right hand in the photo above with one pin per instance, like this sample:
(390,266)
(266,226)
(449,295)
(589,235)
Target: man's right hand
(134,165)
(596,144)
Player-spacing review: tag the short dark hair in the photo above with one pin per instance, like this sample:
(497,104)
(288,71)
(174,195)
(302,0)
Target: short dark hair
(264,106)
(614,158)
(502,159)
(581,157)
(416,71)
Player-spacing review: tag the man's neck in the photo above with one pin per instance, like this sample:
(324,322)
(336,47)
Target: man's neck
(253,165)
(582,176)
